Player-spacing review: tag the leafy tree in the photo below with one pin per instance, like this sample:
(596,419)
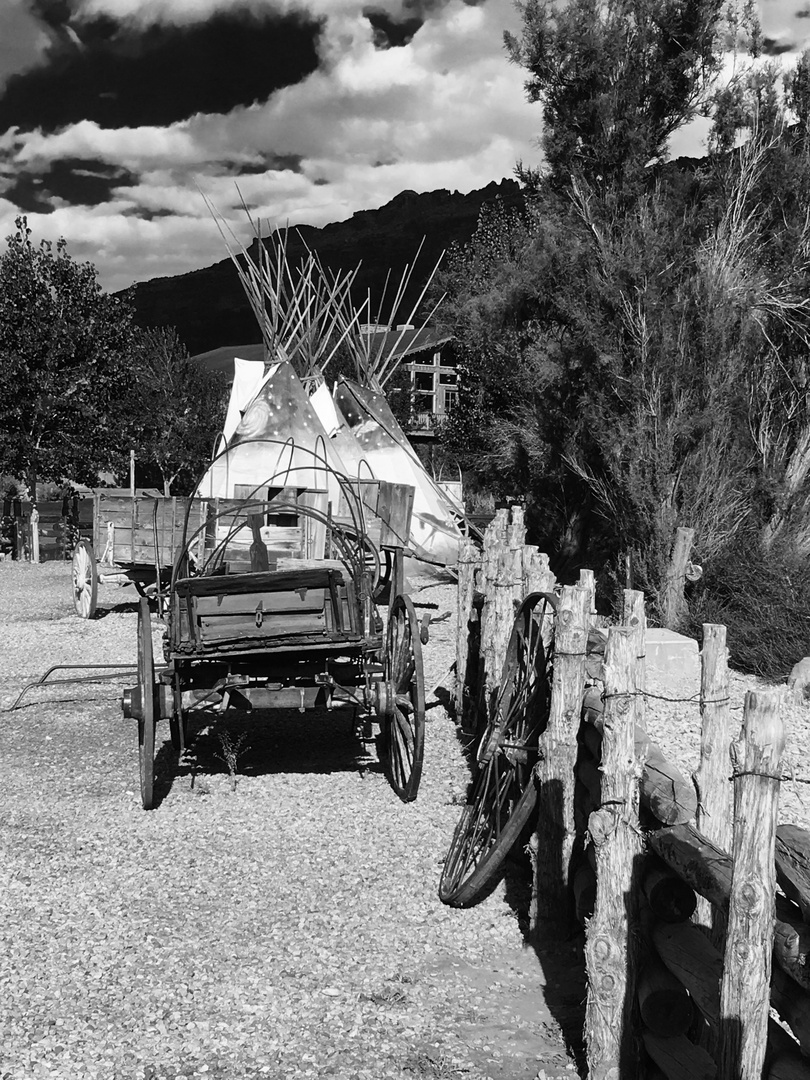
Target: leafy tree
(181,409)
(63,358)
(616,80)
(655,320)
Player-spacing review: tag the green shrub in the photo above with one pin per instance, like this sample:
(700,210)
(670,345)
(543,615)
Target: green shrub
(763,600)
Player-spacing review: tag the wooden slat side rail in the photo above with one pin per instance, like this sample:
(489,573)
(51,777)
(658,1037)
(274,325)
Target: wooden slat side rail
(286,602)
(271,581)
(238,627)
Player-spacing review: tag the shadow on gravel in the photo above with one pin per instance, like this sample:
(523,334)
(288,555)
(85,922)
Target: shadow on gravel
(130,607)
(267,742)
(561,957)
(560,952)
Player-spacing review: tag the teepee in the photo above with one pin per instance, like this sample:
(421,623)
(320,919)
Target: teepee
(292,426)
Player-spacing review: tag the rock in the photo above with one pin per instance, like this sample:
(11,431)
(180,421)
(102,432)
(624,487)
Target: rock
(799,682)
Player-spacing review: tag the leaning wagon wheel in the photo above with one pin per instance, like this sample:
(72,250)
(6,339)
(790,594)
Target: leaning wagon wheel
(403,727)
(85,580)
(504,793)
(146,721)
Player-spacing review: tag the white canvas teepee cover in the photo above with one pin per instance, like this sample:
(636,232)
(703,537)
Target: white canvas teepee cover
(248,376)
(279,442)
(435,536)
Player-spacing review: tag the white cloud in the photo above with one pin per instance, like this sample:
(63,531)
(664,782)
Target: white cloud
(445,111)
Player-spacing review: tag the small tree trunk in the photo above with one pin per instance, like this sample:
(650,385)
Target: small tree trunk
(749,942)
(675,609)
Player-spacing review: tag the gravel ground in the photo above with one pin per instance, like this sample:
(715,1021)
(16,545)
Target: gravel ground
(287,928)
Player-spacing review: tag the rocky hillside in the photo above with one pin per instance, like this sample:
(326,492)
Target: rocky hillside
(208,306)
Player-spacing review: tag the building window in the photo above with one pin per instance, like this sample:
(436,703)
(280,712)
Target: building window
(434,390)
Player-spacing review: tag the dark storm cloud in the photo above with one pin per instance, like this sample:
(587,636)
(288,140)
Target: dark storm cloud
(772,47)
(75,181)
(271,163)
(389,32)
(804,13)
(118,75)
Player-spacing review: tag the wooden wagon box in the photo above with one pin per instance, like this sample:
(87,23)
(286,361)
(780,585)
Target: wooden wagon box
(132,531)
(387,509)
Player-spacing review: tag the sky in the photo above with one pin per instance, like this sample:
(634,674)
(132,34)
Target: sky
(117,117)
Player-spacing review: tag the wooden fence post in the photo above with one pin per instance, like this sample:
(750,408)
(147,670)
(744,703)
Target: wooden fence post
(499,626)
(634,617)
(468,563)
(537,575)
(675,609)
(587,581)
(494,540)
(749,940)
(711,780)
(612,933)
(554,840)
(35,535)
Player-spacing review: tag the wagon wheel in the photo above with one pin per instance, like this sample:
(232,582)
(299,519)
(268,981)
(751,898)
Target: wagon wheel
(504,793)
(382,590)
(85,580)
(403,726)
(146,721)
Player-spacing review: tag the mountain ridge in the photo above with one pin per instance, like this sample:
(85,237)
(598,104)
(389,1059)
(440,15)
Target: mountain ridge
(209,308)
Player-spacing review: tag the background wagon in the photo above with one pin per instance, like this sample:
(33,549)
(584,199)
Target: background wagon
(135,539)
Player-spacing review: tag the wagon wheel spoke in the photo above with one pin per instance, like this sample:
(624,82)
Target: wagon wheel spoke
(504,793)
(403,729)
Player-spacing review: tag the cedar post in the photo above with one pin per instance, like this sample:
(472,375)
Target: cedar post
(499,626)
(634,617)
(468,562)
(749,941)
(675,610)
(711,779)
(612,933)
(554,840)
(516,540)
(494,540)
(537,575)
(587,581)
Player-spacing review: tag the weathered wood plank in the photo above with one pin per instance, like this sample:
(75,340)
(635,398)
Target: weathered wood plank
(678,1058)
(271,581)
(793,865)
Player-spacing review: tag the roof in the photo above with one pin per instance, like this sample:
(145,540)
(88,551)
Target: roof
(412,341)
(221,359)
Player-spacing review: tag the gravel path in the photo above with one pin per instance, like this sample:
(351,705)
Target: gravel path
(288,928)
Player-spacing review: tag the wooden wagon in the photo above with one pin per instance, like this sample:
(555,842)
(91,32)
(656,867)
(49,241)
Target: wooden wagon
(271,605)
(134,540)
